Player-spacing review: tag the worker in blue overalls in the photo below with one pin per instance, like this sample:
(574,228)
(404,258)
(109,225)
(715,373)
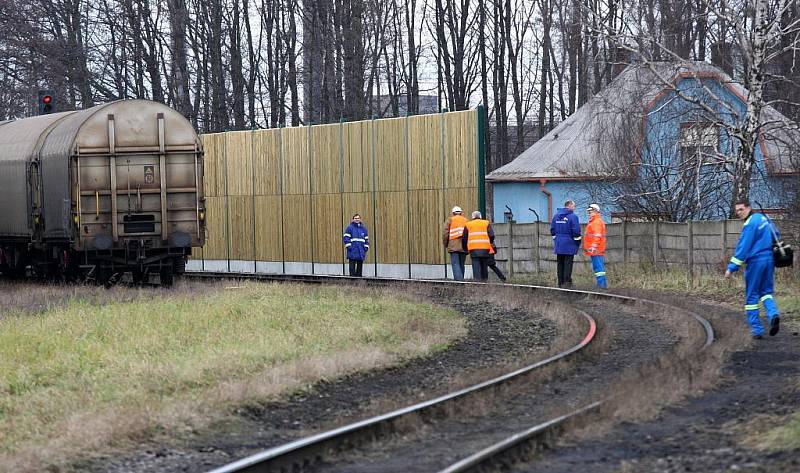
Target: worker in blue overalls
(755,250)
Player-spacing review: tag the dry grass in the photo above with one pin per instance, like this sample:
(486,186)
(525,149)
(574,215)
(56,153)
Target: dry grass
(83,370)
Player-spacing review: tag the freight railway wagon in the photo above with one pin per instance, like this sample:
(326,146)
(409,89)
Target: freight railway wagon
(100,192)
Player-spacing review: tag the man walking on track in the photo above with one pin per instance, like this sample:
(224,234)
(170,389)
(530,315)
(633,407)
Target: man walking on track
(479,237)
(451,237)
(594,244)
(566,231)
(755,250)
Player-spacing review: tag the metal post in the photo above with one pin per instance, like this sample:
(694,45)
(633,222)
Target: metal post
(724,240)
(538,265)
(482,159)
(655,243)
(624,241)
(511,248)
(690,254)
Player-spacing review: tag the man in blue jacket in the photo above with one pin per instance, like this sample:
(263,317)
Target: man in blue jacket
(755,250)
(566,231)
(356,241)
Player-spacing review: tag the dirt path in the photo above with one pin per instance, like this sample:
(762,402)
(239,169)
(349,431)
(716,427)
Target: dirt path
(705,433)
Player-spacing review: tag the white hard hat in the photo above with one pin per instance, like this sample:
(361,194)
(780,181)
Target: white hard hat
(456,209)
(594,207)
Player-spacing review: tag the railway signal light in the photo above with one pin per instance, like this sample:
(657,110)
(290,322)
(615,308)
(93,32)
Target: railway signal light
(47,102)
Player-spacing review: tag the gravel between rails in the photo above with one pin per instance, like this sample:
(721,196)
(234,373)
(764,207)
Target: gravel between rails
(635,339)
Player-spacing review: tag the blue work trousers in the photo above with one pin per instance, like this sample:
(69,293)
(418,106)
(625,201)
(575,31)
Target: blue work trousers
(759,280)
(599,268)
(457,263)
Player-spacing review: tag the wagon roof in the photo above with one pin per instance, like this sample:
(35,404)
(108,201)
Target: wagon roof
(68,132)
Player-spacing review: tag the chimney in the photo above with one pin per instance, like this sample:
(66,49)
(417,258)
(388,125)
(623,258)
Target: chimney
(620,59)
(722,56)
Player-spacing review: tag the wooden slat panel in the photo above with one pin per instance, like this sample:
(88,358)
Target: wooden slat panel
(266,160)
(325,159)
(391,235)
(391,166)
(277,161)
(241,229)
(214,164)
(464,197)
(326,232)
(268,228)
(357,145)
(461,160)
(361,203)
(294,143)
(216,246)
(239,152)
(425,148)
(426,213)
(296,231)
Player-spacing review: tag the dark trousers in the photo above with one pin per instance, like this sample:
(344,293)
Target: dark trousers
(565,270)
(356,265)
(492,263)
(480,268)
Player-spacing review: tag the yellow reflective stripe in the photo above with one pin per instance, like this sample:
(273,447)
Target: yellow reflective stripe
(595,234)
(481,240)
(751,307)
(347,245)
(736,261)
(600,273)
(576,238)
(347,235)
(768,296)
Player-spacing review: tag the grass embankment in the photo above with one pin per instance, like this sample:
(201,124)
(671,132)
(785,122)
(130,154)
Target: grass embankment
(728,292)
(88,372)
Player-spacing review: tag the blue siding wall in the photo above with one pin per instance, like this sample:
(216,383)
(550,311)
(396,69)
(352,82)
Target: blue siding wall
(523,195)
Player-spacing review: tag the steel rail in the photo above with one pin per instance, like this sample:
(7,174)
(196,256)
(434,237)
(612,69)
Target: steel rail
(300,450)
(491,452)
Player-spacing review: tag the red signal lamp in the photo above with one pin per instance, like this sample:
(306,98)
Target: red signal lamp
(47,99)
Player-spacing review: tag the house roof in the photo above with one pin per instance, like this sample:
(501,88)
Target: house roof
(567,152)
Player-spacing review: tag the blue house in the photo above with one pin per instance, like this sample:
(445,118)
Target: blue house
(659,142)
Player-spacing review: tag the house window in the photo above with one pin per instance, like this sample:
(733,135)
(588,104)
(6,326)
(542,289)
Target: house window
(700,141)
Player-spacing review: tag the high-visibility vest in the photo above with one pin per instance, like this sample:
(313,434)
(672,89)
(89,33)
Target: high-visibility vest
(594,242)
(478,235)
(457,223)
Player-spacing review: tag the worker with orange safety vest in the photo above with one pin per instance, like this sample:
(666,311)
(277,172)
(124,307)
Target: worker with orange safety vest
(594,244)
(479,238)
(451,237)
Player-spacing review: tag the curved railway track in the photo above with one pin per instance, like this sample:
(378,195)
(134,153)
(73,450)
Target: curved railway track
(304,452)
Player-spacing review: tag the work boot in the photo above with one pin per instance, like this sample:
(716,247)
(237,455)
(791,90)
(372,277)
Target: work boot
(757,337)
(774,326)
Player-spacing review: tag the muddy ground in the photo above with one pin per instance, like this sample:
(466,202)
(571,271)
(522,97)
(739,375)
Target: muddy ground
(701,433)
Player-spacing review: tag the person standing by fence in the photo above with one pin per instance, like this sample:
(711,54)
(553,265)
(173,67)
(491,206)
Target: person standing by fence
(566,231)
(451,237)
(755,250)
(356,241)
(479,237)
(594,244)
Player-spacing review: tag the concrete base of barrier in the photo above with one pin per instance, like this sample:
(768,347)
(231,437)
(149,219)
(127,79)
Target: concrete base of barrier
(399,271)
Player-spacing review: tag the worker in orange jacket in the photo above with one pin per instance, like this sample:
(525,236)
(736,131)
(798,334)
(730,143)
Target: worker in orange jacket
(451,238)
(479,238)
(594,244)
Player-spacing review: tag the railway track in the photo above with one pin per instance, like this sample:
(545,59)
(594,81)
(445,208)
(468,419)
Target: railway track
(305,452)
